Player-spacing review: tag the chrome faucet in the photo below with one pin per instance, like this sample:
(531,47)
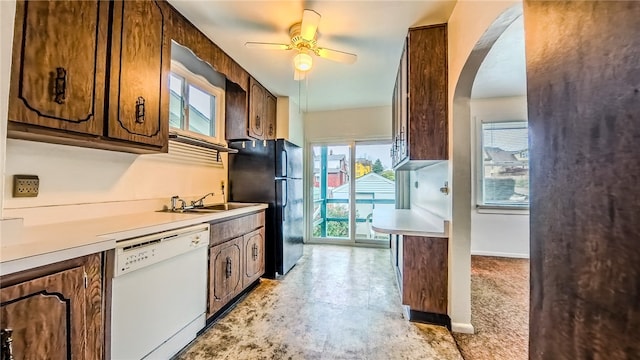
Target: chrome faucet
(199,202)
(174,203)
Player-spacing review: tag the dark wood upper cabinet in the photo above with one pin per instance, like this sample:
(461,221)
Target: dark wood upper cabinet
(270,124)
(236,120)
(54,311)
(257,113)
(140,64)
(69,85)
(420,124)
(59,63)
(260,124)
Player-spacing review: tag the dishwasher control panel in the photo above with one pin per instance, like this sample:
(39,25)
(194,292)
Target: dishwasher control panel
(140,257)
(135,254)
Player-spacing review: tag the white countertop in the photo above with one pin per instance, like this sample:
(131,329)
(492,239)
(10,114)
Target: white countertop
(47,244)
(409,222)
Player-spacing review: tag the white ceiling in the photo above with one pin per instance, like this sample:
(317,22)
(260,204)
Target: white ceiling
(373,29)
(503,71)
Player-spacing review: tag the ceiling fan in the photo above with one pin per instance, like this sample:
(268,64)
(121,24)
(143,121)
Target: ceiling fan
(304,41)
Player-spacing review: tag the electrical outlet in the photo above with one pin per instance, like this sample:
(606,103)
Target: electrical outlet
(25,185)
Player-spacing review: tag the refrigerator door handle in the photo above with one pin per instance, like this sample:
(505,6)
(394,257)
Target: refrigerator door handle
(286,195)
(284,163)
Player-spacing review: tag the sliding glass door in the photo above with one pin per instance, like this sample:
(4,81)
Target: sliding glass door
(375,188)
(331,189)
(345,192)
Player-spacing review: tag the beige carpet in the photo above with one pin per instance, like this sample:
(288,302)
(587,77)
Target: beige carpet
(499,310)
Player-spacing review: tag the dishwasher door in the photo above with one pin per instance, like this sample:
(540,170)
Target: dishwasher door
(158,309)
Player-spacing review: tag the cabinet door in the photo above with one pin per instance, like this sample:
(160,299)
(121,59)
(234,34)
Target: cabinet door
(256,110)
(425,274)
(225,273)
(140,64)
(400,257)
(59,62)
(235,103)
(270,124)
(394,250)
(55,316)
(396,122)
(403,104)
(253,256)
(427,81)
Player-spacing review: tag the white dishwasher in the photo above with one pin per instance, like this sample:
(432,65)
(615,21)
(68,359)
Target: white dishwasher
(159,293)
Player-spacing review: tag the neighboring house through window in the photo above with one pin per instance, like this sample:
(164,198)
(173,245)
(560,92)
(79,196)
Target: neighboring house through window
(504,165)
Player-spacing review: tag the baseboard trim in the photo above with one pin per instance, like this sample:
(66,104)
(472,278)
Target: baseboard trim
(463,328)
(430,318)
(500,254)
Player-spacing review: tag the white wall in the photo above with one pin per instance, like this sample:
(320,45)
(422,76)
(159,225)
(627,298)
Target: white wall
(7,15)
(289,121)
(373,123)
(73,177)
(425,187)
(496,233)
(467,24)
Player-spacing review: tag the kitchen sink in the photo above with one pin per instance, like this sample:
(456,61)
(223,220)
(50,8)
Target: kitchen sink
(191,211)
(207,209)
(224,207)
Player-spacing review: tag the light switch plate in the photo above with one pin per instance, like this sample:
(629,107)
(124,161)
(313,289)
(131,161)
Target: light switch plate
(25,185)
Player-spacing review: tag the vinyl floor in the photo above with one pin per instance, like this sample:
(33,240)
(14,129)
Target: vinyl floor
(338,302)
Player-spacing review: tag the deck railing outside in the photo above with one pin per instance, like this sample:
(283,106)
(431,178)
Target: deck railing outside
(331,216)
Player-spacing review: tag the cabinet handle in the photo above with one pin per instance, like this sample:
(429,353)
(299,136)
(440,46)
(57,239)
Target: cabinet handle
(140,110)
(228,269)
(7,347)
(271,130)
(254,251)
(60,90)
(257,121)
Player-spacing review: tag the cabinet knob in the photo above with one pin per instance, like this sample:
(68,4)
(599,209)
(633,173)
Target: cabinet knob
(140,110)
(257,121)
(60,85)
(7,344)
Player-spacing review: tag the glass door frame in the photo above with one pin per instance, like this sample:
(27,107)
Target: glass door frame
(308,183)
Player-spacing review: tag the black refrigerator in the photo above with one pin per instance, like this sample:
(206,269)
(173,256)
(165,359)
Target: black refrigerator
(271,172)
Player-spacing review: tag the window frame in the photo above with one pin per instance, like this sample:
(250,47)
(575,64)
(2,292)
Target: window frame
(481,206)
(202,84)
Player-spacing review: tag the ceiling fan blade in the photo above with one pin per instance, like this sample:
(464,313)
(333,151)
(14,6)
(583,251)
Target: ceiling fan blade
(310,21)
(267,46)
(299,75)
(335,55)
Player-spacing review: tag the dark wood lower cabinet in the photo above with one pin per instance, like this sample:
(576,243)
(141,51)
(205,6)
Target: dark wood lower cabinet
(253,256)
(55,311)
(225,273)
(421,264)
(424,279)
(236,258)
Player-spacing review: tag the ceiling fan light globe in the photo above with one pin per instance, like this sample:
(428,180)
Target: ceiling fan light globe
(303,62)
